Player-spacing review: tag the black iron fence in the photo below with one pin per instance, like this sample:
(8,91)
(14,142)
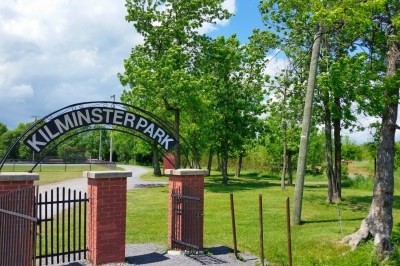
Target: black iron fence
(61,226)
(56,166)
(186,220)
(18,227)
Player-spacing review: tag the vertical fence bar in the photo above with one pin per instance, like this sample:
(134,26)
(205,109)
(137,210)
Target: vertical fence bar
(289,236)
(69,225)
(51,226)
(58,225)
(79,224)
(74,226)
(84,224)
(260,216)
(40,228)
(63,225)
(45,226)
(233,226)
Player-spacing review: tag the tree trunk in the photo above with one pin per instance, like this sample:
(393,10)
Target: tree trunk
(224,169)
(177,150)
(239,165)
(338,151)
(290,167)
(284,166)
(156,162)
(219,162)
(209,164)
(305,131)
(224,163)
(328,151)
(379,221)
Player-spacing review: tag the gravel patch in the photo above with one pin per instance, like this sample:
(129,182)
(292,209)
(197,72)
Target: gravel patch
(151,254)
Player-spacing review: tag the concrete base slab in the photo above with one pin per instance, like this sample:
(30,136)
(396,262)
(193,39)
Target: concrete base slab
(176,252)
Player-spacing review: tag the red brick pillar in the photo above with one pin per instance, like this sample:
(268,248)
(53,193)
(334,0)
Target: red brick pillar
(184,228)
(106,216)
(23,233)
(168,162)
(15,180)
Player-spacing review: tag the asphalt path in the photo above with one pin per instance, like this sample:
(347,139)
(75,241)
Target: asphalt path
(80,184)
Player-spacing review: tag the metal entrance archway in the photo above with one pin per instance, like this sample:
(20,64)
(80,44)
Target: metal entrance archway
(47,133)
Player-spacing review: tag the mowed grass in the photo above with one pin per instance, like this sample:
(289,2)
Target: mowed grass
(53,173)
(315,242)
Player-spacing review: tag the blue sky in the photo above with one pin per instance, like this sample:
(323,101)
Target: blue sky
(54,53)
(57,52)
(247,17)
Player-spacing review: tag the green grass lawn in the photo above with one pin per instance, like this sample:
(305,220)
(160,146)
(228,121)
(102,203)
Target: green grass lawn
(315,242)
(52,173)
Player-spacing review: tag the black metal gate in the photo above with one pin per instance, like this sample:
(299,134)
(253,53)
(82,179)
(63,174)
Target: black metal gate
(61,226)
(186,220)
(18,227)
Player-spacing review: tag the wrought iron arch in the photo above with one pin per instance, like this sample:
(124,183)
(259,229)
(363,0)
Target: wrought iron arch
(47,133)
(43,156)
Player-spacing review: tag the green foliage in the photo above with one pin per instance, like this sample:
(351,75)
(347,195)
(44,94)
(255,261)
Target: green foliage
(86,146)
(163,73)
(397,156)
(315,242)
(359,182)
(351,151)
(179,74)
(8,137)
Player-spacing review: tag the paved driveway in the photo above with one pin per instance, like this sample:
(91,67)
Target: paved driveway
(80,184)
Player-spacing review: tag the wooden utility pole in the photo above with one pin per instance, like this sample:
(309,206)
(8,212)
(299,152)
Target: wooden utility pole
(305,131)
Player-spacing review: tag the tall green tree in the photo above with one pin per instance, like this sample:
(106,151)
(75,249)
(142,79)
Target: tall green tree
(302,25)
(20,152)
(234,79)
(159,73)
(3,129)
(386,44)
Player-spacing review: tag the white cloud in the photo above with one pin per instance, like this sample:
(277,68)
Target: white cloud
(275,63)
(230,5)
(68,51)
(19,93)
(84,57)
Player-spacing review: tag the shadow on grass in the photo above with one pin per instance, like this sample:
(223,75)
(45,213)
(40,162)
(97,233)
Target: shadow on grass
(363,203)
(213,183)
(152,257)
(252,180)
(330,221)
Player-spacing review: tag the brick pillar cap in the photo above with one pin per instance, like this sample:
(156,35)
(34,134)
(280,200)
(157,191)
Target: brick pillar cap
(18,176)
(106,174)
(186,172)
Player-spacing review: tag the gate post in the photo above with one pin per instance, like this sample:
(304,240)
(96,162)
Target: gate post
(10,181)
(186,180)
(106,216)
(20,239)
(168,162)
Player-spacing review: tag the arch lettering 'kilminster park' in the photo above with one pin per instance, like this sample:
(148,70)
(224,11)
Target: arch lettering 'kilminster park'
(66,122)
(50,131)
